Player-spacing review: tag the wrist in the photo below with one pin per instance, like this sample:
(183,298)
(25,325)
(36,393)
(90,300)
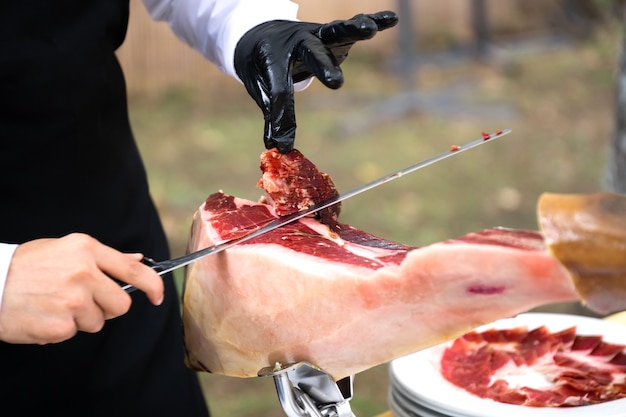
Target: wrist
(6,254)
(247,18)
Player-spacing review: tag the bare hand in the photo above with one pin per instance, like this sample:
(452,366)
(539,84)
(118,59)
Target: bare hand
(57,287)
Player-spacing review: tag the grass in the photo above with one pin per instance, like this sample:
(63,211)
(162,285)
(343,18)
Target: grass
(559,104)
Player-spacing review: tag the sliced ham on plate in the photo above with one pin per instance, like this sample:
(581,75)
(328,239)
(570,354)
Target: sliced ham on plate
(533,364)
(536,367)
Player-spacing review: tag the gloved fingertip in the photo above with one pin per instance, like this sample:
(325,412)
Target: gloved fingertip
(332,78)
(388,20)
(284,148)
(284,142)
(334,84)
(388,17)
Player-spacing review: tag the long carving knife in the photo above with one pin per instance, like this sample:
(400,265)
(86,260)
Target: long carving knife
(163,267)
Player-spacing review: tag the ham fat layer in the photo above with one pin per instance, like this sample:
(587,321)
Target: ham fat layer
(345,300)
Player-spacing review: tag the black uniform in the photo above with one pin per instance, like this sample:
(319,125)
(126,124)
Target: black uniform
(69,163)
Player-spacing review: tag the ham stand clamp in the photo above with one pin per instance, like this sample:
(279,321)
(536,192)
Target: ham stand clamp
(304,390)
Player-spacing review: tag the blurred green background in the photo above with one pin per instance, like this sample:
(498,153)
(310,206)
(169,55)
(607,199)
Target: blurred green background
(556,93)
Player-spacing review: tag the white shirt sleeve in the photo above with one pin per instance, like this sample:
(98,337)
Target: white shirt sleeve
(6,253)
(213,27)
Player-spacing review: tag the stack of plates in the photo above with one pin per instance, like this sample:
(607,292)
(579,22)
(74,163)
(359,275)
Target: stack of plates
(417,388)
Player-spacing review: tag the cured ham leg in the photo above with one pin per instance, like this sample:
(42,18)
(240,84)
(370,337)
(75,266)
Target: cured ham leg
(337,297)
(348,301)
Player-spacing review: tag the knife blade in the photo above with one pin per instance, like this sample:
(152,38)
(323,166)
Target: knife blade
(163,267)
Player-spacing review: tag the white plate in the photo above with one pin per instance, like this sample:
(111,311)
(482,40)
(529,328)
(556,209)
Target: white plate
(417,375)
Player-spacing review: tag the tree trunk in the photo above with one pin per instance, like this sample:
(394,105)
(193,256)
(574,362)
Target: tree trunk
(615,175)
(480,27)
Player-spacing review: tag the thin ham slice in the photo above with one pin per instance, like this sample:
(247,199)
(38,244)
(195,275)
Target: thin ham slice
(345,300)
(575,370)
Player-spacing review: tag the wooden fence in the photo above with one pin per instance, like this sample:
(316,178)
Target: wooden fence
(154,59)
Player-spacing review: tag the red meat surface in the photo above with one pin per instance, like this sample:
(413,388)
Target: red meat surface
(574,369)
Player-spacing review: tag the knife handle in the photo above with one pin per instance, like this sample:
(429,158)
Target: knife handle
(157,266)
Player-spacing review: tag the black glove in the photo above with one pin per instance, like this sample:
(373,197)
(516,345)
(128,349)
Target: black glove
(270,57)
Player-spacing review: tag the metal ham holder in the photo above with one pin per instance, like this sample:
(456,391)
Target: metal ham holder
(304,390)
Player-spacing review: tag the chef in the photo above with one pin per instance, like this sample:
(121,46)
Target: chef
(75,209)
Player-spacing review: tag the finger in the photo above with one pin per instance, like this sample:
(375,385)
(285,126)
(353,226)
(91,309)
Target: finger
(262,99)
(32,323)
(267,134)
(280,116)
(320,61)
(131,270)
(90,318)
(340,32)
(55,330)
(384,20)
(282,123)
(271,88)
(110,298)
(258,89)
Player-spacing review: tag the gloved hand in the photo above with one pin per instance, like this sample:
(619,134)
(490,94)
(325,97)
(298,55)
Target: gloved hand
(274,55)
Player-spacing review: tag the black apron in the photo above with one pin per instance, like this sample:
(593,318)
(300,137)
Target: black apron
(69,163)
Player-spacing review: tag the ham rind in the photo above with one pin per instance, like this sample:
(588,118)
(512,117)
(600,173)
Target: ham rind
(587,234)
(345,300)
